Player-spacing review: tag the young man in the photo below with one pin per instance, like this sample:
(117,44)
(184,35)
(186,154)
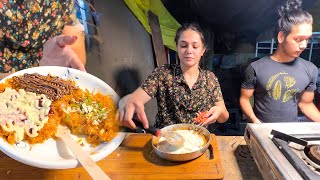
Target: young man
(282,82)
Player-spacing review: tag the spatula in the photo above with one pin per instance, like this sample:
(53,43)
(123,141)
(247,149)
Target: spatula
(173,138)
(91,167)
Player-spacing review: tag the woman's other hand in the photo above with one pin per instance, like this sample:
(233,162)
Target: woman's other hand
(209,117)
(216,113)
(212,115)
(56,52)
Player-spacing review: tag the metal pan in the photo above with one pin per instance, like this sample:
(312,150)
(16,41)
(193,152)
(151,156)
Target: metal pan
(182,156)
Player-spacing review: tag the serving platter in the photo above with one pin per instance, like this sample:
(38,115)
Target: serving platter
(53,153)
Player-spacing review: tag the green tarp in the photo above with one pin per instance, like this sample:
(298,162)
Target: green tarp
(168,24)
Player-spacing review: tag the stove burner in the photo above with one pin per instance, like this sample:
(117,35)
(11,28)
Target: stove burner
(300,165)
(311,156)
(314,154)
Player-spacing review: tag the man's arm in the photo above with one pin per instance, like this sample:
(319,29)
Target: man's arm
(307,107)
(245,105)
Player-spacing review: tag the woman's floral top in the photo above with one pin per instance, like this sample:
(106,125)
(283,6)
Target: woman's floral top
(177,103)
(25,25)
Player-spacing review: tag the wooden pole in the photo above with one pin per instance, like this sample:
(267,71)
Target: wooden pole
(158,46)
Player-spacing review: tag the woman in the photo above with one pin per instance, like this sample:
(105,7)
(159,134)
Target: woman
(25,25)
(181,90)
(282,81)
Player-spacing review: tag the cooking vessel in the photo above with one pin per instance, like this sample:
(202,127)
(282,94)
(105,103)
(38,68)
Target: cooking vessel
(183,156)
(309,147)
(173,138)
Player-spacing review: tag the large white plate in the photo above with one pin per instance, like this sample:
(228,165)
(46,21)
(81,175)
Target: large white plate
(54,154)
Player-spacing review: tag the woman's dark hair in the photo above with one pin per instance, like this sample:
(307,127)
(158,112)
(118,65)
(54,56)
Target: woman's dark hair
(291,13)
(192,26)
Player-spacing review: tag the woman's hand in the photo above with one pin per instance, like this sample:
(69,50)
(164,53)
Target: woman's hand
(56,52)
(133,104)
(209,117)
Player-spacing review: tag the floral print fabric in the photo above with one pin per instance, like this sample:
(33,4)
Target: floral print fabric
(177,103)
(25,25)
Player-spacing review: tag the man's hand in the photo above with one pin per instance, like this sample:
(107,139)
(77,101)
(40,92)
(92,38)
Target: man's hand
(56,52)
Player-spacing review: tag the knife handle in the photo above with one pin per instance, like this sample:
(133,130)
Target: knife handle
(288,138)
(140,129)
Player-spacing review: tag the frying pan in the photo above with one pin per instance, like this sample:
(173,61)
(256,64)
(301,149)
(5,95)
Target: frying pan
(182,156)
(282,139)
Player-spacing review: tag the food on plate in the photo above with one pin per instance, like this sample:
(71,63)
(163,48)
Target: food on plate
(32,106)
(22,113)
(90,114)
(52,86)
(193,141)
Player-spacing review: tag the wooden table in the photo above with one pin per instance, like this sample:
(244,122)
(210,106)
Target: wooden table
(237,163)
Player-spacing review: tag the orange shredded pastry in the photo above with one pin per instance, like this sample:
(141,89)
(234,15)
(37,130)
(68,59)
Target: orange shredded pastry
(105,128)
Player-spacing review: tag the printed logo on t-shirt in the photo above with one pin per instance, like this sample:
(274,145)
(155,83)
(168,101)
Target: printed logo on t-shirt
(279,87)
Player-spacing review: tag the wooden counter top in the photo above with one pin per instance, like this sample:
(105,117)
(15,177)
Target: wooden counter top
(127,162)
(237,161)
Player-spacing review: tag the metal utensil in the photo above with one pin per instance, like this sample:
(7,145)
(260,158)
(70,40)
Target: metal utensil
(173,138)
(288,137)
(91,167)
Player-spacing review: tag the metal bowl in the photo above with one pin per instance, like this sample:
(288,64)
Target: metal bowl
(183,156)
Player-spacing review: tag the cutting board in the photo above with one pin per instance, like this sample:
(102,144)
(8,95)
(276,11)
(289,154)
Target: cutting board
(142,162)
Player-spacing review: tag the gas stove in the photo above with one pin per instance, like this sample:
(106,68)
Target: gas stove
(285,150)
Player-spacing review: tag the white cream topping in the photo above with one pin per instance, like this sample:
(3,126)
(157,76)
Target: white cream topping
(192,142)
(23,112)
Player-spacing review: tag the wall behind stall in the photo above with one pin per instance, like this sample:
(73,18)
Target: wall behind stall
(125,57)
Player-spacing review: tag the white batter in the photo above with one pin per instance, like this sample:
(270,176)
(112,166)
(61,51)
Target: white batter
(193,141)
